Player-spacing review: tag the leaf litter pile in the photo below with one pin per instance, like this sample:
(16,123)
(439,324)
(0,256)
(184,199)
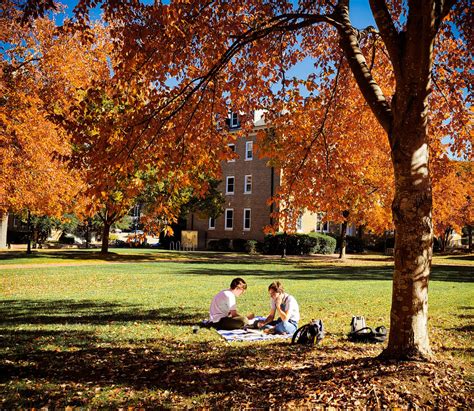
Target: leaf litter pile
(212,373)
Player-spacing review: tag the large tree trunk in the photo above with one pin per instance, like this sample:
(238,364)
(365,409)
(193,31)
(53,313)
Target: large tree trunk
(105,237)
(411,208)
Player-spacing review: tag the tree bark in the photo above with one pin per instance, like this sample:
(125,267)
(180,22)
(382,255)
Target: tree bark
(105,237)
(343,236)
(28,244)
(469,238)
(411,209)
(88,234)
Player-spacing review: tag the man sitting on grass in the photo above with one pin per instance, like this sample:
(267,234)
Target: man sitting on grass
(223,312)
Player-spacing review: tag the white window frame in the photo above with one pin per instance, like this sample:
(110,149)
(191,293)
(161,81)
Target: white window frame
(246,178)
(320,224)
(249,219)
(232,160)
(226,227)
(299,223)
(234,119)
(227,192)
(212,226)
(247,150)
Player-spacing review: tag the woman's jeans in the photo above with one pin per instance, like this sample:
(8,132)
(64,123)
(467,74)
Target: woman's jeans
(284,327)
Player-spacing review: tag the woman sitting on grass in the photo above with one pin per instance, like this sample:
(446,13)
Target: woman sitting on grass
(286,307)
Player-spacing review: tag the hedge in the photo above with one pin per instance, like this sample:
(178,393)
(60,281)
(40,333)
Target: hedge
(299,244)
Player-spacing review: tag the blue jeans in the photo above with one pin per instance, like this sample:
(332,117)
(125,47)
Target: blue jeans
(284,327)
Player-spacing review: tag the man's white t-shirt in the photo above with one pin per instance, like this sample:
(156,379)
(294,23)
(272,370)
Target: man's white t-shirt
(223,303)
(288,303)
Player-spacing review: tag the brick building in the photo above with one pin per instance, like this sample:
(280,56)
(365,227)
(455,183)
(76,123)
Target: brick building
(247,183)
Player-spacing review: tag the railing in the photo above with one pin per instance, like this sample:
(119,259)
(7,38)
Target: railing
(175,246)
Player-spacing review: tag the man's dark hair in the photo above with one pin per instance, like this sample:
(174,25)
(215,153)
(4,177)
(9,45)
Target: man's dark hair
(236,282)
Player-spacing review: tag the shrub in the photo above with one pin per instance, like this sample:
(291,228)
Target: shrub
(325,244)
(64,239)
(252,246)
(299,244)
(239,244)
(273,244)
(382,243)
(222,244)
(354,245)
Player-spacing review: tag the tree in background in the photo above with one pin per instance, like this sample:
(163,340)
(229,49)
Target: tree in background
(452,190)
(33,179)
(331,163)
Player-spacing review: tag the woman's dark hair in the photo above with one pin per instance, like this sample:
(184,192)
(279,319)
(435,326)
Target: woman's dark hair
(277,287)
(238,282)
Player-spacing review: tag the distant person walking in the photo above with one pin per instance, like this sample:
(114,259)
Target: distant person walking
(223,311)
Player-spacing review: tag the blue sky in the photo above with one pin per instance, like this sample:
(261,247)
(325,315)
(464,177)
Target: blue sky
(360,12)
(361,17)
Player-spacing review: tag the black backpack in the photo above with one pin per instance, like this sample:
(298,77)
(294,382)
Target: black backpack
(366,334)
(309,333)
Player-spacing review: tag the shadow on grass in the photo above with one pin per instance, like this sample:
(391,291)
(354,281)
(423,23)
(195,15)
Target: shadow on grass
(211,263)
(460,257)
(57,368)
(225,374)
(17,312)
(82,255)
(328,272)
(136,255)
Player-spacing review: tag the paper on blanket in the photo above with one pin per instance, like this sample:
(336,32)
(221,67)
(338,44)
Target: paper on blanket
(256,319)
(250,335)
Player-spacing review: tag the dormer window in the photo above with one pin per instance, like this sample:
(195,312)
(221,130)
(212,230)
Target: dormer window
(234,120)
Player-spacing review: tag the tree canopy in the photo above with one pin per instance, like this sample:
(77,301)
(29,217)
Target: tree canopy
(400,90)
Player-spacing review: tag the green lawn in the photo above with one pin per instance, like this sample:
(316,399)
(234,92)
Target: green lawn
(81,330)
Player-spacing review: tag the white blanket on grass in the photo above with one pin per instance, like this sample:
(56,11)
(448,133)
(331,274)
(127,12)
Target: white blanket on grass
(250,335)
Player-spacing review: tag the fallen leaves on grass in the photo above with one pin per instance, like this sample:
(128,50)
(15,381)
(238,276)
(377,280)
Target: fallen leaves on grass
(218,375)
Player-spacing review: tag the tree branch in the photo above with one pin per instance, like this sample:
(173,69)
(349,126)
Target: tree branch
(370,89)
(388,32)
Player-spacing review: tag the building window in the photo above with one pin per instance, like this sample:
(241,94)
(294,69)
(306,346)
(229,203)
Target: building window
(321,225)
(234,120)
(232,149)
(248,184)
(229,185)
(247,219)
(229,218)
(299,223)
(212,223)
(249,150)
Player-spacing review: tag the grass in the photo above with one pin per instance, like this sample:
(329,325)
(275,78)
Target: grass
(85,330)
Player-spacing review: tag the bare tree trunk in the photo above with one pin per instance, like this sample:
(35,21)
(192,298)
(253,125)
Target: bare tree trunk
(411,208)
(88,233)
(343,237)
(28,244)
(105,238)
(469,238)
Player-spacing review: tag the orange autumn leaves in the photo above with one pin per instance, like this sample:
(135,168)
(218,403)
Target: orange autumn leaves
(43,73)
(120,114)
